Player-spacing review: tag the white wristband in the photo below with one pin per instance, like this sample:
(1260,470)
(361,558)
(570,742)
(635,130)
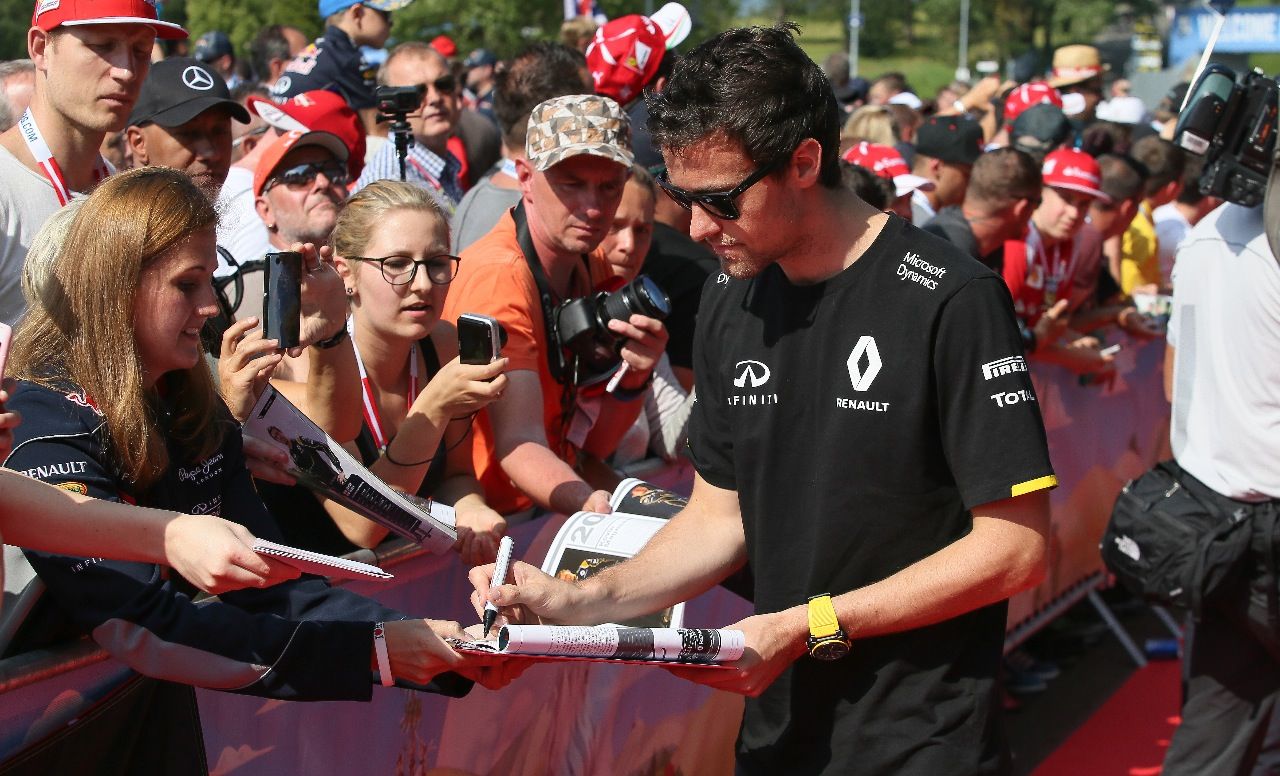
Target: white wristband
(959,107)
(384,662)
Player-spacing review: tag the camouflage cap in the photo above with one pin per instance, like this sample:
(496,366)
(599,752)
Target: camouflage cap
(578,124)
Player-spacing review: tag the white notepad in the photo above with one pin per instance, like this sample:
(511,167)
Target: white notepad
(318,563)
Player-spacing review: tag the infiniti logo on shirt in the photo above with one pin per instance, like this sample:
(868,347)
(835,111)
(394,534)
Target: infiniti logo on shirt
(751,374)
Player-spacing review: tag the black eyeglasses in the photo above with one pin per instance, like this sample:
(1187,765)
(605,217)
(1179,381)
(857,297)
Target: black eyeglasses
(719,204)
(400,270)
(305,174)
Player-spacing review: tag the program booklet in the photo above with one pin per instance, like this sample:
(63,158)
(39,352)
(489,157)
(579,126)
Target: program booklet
(318,563)
(613,643)
(325,467)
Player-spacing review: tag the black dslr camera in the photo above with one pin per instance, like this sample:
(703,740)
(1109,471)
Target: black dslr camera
(582,325)
(1233,126)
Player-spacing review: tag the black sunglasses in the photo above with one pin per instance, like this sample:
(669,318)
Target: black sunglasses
(719,204)
(305,174)
(401,270)
(445,84)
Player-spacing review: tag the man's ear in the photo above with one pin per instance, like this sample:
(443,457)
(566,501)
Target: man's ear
(38,44)
(265,212)
(524,174)
(806,162)
(136,142)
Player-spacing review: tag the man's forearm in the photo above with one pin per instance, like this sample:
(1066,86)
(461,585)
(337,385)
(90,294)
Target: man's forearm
(1000,557)
(695,550)
(543,477)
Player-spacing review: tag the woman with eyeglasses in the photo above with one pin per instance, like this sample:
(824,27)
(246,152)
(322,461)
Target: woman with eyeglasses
(118,404)
(391,245)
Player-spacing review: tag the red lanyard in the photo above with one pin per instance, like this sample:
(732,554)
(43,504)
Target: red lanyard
(372,417)
(49,165)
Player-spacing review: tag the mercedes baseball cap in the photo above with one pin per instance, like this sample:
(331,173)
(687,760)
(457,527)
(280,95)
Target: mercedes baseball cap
(952,139)
(71,13)
(626,52)
(277,151)
(330,7)
(319,110)
(1071,168)
(576,124)
(179,89)
(886,162)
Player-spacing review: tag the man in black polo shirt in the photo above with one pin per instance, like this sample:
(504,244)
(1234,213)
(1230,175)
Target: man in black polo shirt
(866,438)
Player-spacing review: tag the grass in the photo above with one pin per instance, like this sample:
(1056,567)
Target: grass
(823,37)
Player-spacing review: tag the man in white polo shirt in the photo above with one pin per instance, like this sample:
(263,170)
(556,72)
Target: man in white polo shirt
(91,59)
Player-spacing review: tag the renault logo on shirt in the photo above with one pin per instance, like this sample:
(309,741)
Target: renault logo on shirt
(751,374)
(862,376)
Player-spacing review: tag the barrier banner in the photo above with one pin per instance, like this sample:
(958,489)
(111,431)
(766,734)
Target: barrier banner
(587,718)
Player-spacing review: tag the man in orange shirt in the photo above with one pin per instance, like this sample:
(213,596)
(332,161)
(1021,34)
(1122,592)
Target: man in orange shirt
(541,254)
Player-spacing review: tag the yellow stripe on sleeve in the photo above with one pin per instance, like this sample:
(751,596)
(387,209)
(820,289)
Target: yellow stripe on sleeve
(1031,486)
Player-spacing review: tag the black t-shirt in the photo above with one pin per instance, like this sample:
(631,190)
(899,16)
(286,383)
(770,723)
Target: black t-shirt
(859,420)
(680,267)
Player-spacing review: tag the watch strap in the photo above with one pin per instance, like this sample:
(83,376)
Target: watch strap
(822,617)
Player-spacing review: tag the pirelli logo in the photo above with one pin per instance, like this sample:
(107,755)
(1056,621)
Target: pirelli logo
(1004,366)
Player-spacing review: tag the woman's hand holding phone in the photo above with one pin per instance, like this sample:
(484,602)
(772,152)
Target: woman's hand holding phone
(245,365)
(324,299)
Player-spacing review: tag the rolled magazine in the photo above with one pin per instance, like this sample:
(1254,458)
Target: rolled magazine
(696,646)
(325,467)
(318,563)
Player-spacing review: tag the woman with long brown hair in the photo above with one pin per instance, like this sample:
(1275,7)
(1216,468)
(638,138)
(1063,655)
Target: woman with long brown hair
(118,404)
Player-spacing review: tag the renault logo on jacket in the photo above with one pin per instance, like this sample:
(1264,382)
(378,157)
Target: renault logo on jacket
(863,377)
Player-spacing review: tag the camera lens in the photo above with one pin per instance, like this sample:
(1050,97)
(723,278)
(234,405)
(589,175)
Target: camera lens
(641,295)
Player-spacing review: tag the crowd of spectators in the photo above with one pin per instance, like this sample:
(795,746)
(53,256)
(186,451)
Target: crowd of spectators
(517,184)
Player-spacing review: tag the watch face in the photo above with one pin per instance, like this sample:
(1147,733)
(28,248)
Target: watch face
(830,649)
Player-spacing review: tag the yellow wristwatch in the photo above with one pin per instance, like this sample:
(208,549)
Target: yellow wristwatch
(826,640)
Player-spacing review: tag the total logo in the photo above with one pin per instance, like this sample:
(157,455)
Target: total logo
(864,366)
(751,375)
(1010,398)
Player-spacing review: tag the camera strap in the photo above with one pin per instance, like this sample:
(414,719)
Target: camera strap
(555,353)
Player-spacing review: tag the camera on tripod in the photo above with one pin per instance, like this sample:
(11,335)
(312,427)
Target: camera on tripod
(582,325)
(1233,126)
(395,103)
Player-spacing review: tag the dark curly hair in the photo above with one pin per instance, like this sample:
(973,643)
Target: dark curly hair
(759,88)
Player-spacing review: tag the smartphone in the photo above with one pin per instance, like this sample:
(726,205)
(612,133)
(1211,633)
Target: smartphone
(6,337)
(480,338)
(1110,351)
(282,297)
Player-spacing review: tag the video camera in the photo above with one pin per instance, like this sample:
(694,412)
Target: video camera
(1232,124)
(582,325)
(395,103)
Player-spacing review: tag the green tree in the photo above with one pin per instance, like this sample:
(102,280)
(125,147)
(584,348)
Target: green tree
(242,19)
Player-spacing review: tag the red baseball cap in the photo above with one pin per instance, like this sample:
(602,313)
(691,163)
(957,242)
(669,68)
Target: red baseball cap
(625,53)
(316,111)
(286,143)
(1071,168)
(1036,93)
(71,13)
(886,162)
(445,45)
